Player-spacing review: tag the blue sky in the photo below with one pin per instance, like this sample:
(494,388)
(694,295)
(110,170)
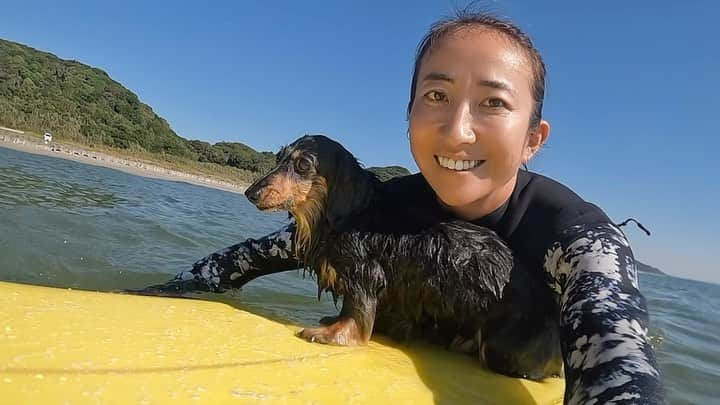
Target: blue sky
(633,94)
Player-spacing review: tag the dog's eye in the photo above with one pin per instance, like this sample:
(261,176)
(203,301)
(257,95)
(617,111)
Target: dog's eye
(303,165)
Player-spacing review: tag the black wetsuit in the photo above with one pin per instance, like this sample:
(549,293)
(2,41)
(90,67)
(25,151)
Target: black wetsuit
(582,261)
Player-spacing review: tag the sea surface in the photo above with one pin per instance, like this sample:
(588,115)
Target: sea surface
(68,224)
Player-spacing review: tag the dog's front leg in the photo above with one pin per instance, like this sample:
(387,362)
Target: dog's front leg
(355,323)
(353,327)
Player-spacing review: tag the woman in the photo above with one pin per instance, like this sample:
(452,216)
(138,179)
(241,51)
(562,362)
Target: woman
(475,115)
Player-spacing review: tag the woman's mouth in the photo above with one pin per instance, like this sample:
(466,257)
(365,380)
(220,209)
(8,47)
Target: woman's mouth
(458,165)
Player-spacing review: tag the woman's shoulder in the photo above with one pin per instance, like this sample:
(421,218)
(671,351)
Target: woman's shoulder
(542,211)
(546,200)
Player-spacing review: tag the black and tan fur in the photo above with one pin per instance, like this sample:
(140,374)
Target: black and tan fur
(398,276)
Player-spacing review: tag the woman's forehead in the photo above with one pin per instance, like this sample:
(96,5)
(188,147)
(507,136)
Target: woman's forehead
(476,49)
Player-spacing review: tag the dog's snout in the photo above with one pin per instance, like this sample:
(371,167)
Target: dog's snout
(253,194)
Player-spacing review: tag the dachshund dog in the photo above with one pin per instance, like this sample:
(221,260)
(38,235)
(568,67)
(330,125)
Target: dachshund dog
(397,274)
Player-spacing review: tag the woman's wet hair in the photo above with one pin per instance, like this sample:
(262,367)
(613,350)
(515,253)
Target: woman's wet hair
(467,18)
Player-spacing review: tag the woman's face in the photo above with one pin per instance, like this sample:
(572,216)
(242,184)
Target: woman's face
(469,121)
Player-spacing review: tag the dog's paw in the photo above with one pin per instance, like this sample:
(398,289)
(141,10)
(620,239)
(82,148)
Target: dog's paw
(343,332)
(323,335)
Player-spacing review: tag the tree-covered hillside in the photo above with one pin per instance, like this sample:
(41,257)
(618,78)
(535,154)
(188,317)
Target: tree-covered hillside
(43,93)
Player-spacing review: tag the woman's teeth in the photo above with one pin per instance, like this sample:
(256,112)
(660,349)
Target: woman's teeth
(458,164)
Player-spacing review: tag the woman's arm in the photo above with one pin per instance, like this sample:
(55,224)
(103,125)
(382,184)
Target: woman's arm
(603,320)
(236,265)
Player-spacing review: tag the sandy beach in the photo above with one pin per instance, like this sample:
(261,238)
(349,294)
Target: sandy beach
(17,140)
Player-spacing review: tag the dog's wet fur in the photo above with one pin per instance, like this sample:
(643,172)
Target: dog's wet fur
(452,282)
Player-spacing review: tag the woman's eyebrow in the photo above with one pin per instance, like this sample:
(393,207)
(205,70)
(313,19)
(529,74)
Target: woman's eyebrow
(497,84)
(494,84)
(439,76)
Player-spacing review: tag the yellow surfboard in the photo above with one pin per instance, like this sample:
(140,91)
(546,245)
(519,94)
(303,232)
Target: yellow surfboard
(61,346)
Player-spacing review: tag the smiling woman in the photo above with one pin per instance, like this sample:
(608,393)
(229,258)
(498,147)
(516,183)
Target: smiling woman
(473,102)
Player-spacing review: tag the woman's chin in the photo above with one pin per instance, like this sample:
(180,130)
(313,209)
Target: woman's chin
(459,197)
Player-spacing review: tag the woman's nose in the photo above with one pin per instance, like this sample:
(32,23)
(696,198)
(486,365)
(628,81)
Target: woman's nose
(459,125)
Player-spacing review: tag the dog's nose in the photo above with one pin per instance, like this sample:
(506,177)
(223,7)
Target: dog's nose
(253,194)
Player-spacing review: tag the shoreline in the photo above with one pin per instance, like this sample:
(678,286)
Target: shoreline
(24,143)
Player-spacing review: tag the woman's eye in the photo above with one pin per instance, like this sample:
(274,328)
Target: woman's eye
(495,103)
(303,165)
(436,96)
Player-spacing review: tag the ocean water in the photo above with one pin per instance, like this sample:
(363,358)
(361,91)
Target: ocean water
(67,224)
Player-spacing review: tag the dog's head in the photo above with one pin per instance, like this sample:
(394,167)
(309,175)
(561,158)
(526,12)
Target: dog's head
(315,178)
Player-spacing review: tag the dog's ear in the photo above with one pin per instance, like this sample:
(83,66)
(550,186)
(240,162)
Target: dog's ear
(350,189)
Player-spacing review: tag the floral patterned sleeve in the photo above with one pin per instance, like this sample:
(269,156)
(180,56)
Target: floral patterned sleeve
(603,319)
(236,265)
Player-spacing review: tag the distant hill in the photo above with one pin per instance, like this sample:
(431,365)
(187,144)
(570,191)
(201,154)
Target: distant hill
(234,154)
(387,173)
(646,268)
(41,92)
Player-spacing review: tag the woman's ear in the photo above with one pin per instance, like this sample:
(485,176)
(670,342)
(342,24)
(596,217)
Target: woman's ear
(536,139)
